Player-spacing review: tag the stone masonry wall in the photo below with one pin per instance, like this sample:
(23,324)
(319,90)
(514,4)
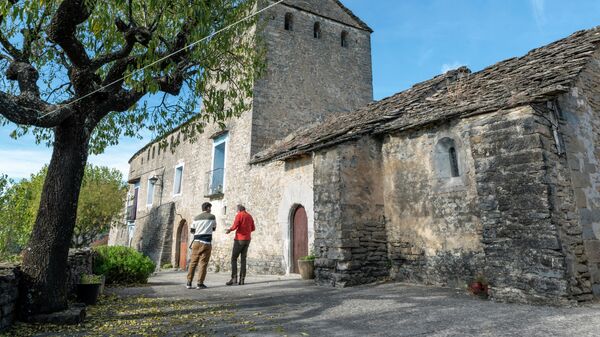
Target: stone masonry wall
(525,261)
(433,224)
(9,292)
(580,124)
(284,100)
(350,236)
(308,79)
(79,262)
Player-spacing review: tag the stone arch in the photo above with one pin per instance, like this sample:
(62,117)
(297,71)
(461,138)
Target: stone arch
(294,194)
(299,245)
(317,30)
(447,158)
(181,246)
(344,39)
(289,21)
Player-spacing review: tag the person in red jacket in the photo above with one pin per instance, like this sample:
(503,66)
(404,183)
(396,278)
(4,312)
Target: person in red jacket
(243,225)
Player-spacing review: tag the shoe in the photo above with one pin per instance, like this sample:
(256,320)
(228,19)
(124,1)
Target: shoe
(189,285)
(232,281)
(201,286)
(242,280)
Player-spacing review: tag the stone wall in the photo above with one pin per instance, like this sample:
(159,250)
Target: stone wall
(9,292)
(350,237)
(79,262)
(579,123)
(525,261)
(307,78)
(433,224)
(155,237)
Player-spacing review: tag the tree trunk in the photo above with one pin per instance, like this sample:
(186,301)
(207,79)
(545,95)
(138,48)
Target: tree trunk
(44,284)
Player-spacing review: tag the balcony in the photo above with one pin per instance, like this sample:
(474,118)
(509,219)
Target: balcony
(214,183)
(131,212)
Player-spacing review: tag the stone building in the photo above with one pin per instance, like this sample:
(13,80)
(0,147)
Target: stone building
(318,64)
(492,173)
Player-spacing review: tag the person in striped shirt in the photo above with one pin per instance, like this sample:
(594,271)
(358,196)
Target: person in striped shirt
(202,228)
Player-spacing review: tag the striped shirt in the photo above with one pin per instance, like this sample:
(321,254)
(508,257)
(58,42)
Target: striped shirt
(204,224)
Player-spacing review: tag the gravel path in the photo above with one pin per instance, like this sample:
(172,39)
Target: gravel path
(278,306)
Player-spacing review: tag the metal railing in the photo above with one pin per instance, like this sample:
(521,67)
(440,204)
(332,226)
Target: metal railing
(131,212)
(214,182)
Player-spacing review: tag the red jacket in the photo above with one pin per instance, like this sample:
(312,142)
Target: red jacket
(243,225)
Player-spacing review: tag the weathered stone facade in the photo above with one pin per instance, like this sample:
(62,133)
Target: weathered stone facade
(307,79)
(492,174)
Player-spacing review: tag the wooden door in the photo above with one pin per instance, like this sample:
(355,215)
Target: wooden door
(299,236)
(183,244)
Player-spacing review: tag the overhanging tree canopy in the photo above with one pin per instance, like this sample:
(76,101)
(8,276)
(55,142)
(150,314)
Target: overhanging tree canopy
(71,78)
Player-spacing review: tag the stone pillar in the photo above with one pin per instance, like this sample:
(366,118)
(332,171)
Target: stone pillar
(350,235)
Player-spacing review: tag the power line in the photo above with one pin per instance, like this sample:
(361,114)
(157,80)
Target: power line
(162,59)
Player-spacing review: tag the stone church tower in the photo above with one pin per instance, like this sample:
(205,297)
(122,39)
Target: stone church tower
(318,64)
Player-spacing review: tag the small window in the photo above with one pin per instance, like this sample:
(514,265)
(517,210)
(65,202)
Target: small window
(447,158)
(148,155)
(153,151)
(344,39)
(453,162)
(178,179)
(150,198)
(142,160)
(159,150)
(289,21)
(317,30)
(217,174)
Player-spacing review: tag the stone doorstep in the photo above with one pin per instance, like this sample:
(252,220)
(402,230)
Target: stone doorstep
(75,314)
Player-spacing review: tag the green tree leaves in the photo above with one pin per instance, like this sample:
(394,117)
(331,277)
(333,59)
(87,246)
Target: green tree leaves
(100,205)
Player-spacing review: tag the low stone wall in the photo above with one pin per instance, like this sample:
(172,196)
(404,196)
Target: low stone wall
(9,291)
(80,262)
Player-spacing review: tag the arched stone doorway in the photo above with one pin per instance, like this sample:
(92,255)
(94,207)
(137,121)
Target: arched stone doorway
(182,244)
(299,235)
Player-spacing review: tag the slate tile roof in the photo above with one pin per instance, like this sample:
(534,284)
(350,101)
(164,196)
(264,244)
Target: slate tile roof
(539,75)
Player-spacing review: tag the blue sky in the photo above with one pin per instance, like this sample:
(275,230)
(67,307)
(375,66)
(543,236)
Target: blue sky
(414,40)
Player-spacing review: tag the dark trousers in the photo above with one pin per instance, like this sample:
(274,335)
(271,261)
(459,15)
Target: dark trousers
(239,247)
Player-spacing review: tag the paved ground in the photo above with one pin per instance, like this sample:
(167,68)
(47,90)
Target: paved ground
(278,306)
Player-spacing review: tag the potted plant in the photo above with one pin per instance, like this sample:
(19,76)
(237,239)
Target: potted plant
(479,286)
(306,265)
(88,288)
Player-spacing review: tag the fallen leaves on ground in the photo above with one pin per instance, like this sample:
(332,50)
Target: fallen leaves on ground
(138,316)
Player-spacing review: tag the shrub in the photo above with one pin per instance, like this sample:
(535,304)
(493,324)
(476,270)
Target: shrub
(122,265)
(90,279)
(167,266)
(310,257)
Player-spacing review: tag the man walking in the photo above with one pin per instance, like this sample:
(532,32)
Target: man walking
(243,225)
(202,228)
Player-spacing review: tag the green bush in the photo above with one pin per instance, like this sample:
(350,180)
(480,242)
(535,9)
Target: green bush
(167,266)
(122,265)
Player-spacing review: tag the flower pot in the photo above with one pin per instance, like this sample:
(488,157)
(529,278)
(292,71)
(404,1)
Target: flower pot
(88,293)
(307,269)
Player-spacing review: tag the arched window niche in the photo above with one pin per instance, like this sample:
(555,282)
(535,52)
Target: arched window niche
(317,30)
(344,39)
(447,159)
(289,22)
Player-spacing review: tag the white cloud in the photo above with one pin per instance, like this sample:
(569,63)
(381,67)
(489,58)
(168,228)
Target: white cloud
(19,164)
(539,13)
(446,67)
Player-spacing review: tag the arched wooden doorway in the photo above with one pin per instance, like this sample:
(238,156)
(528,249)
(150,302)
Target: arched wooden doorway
(182,244)
(299,236)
